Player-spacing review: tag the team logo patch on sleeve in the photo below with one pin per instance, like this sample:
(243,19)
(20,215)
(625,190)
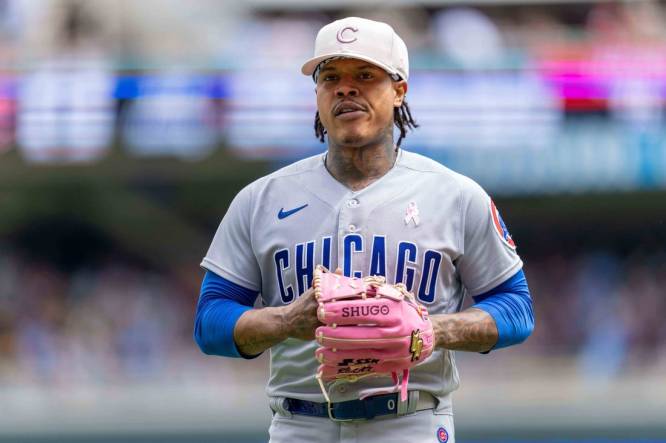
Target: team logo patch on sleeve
(442,435)
(500,227)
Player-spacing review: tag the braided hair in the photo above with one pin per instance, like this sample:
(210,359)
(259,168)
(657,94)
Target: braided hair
(402,119)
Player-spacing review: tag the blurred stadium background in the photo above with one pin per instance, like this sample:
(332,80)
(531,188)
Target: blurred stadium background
(126,127)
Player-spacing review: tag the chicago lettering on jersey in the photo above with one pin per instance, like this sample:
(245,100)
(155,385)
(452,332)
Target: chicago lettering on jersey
(297,265)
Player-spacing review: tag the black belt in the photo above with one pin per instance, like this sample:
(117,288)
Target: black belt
(367,408)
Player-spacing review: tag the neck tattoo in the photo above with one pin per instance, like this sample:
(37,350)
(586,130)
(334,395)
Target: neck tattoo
(361,168)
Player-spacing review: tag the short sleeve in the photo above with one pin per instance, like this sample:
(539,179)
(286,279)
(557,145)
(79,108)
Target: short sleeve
(231,254)
(489,254)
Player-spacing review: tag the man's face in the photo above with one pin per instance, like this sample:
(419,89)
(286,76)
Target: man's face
(355,100)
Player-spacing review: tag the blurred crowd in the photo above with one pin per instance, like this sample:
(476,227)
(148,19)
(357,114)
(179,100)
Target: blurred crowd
(603,309)
(114,324)
(120,324)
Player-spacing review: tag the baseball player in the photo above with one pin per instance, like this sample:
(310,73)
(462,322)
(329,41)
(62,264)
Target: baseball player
(365,207)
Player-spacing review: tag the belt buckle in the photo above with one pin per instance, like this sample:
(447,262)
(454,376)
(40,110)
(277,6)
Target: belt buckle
(329,409)
(329,405)
(367,414)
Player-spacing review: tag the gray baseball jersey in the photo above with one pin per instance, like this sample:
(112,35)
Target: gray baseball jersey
(421,224)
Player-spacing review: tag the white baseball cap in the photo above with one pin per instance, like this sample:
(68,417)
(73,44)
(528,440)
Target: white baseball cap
(363,39)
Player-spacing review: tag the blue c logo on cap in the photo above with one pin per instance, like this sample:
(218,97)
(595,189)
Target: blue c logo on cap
(342,39)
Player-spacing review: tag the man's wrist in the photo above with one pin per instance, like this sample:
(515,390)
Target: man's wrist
(260,329)
(472,330)
(284,322)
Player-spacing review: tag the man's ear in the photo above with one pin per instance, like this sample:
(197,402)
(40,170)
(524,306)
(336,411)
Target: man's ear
(400,88)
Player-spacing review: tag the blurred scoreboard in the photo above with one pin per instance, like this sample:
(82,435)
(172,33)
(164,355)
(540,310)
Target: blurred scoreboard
(566,120)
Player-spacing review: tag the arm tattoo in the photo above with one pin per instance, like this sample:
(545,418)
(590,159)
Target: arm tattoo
(253,344)
(471,330)
(258,330)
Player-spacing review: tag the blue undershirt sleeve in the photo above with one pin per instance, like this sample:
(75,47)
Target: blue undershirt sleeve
(510,305)
(221,303)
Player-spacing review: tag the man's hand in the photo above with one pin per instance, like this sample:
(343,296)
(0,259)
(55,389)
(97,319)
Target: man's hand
(300,318)
(259,329)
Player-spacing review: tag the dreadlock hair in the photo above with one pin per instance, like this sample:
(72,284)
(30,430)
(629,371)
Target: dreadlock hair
(402,119)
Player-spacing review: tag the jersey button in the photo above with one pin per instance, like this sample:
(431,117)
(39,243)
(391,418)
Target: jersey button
(353,203)
(352,228)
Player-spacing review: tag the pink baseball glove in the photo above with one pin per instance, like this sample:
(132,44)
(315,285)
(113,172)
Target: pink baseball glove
(371,328)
